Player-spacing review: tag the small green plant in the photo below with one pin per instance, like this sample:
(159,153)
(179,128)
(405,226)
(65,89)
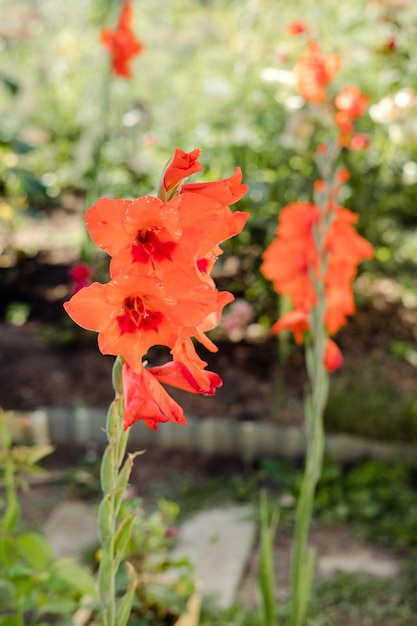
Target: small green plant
(35,588)
(164,583)
(349,599)
(378,499)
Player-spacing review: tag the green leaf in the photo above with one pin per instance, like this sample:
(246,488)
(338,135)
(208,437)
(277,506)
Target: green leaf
(30,455)
(11,516)
(35,549)
(124,606)
(105,517)
(123,534)
(78,577)
(165,595)
(7,552)
(108,470)
(266,561)
(58,606)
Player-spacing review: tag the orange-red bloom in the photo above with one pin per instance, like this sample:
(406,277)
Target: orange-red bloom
(293,259)
(333,358)
(161,293)
(296,28)
(296,321)
(134,312)
(187,371)
(145,399)
(130,313)
(80,275)
(358,142)
(314,71)
(186,230)
(287,261)
(351,101)
(122,42)
(351,104)
(182,165)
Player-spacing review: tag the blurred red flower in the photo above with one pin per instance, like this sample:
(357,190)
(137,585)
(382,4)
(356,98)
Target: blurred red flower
(293,260)
(122,42)
(80,275)
(314,71)
(351,104)
(295,28)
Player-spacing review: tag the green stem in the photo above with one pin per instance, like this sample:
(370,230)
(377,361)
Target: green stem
(283,353)
(303,557)
(11,514)
(113,482)
(302,560)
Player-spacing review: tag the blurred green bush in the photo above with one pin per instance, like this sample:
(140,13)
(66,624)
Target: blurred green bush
(215,75)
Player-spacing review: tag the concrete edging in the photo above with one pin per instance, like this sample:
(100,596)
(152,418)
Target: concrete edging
(208,435)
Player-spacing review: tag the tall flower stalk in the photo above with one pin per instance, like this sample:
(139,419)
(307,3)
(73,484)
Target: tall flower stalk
(160,292)
(114,534)
(302,556)
(123,46)
(312,261)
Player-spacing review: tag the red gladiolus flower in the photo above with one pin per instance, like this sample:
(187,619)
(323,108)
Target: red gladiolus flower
(292,260)
(314,71)
(143,231)
(80,275)
(186,230)
(161,292)
(296,28)
(352,101)
(351,104)
(296,321)
(145,399)
(183,164)
(333,358)
(187,371)
(130,313)
(122,42)
(288,259)
(358,142)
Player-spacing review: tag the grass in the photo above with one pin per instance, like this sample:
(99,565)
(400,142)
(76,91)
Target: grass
(378,500)
(343,600)
(373,410)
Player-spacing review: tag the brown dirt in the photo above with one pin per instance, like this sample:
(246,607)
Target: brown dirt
(37,373)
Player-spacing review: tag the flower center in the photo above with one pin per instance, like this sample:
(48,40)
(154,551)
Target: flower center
(137,316)
(148,246)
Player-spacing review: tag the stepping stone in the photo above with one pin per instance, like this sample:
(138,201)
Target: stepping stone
(218,543)
(71,528)
(360,561)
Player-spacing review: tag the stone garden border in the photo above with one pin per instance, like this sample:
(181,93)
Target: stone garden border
(209,436)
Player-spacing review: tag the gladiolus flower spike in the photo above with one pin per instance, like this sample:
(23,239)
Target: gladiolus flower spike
(122,42)
(161,291)
(294,262)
